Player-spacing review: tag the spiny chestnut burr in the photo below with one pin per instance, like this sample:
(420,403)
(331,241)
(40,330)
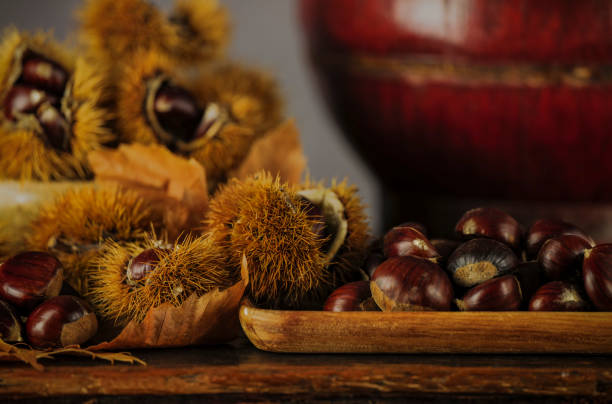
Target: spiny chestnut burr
(402,241)
(23,99)
(490,223)
(143,264)
(561,257)
(55,126)
(318,221)
(497,294)
(410,284)
(44,74)
(28,278)
(354,296)
(545,229)
(10,326)
(61,321)
(597,276)
(479,260)
(557,296)
(177,112)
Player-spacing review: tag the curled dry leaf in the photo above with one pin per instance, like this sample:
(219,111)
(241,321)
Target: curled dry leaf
(278,151)
(209,319)
(174,185)
(30,356)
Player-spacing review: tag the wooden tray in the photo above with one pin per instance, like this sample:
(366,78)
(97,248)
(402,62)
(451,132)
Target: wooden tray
(427,332)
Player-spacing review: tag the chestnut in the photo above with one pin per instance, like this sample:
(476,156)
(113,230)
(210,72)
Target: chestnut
(545,229)
(490,223)
(557,296)
(444,247)
(141,265)
(61,321)
(479,260)
(497,294)
(401,241)
(55,127)
(44,74)
(409,284)
(372,262)
(561,257)
(30,277)
(177,112)
(10,326)
(415,225)
(354,296)
(597,276)
(530,278)
(23,100)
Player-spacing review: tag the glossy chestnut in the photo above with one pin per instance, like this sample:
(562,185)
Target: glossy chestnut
(561,257)
(415,225)
(490,223)
(143,264)
(597,276)
(557,296)
(479,260)
(372,262)
(28,278)
(444,247)
(44,74)
(177,112)
(545,229)
(61,321)
(497,294)
(354,296)
(403,241)
(530,278)
(409,284)
(55,127)
(22,99)
(10,326)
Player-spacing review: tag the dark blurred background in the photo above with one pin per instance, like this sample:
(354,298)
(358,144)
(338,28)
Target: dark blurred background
(266,34)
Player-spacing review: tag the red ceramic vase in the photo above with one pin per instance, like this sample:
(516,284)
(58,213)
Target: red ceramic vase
(484,99)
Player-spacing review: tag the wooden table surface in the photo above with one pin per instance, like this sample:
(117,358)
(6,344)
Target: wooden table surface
(241,372)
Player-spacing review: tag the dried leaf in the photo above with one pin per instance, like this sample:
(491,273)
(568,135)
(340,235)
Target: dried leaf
(278,151)
(174,185)
(31,356)
(209,319)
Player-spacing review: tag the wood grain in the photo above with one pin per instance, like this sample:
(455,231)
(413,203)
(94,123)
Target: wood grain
(241,371)
(427,332)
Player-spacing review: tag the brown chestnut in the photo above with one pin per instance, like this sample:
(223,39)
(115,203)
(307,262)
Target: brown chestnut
(415,225)
(557,296)
(354,296)
(44,74)
(597,276)
(490,223)
(402,241)
(61,321)
(409,284)
(372,262)
(545,229)
(28,278)
(55,126)
(530,278)
(479,260)
(497,294)
(177,112)
(444,247)
(10,326)
(143,264)
(23,100)
(561,257)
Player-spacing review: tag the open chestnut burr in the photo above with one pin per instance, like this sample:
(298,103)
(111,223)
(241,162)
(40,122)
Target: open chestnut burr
(490,223)
(597,276)
(411,284)
(545,229)
(354,296)
(561,257)
(61,321)
(479,260)
(28,278)
(406,240)
(557,296)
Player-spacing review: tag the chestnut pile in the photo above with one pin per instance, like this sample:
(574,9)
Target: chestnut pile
(492,266)
(30,284)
